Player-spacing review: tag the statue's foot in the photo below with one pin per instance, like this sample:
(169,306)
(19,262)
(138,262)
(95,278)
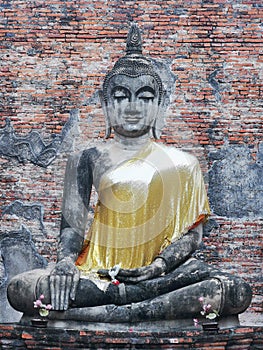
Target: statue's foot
(175,305)
(104,313)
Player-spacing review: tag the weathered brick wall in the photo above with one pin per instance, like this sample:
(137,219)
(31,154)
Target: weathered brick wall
(53,57)
(24,337)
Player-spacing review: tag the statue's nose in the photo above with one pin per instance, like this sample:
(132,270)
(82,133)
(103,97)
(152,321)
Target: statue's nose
(132,108)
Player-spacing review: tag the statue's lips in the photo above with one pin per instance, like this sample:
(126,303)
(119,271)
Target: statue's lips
(132,120)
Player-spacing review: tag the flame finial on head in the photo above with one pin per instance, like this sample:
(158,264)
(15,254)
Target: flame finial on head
(133,64)
(134,40)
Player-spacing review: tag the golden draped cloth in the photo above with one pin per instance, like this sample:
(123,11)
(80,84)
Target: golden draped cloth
(145,203)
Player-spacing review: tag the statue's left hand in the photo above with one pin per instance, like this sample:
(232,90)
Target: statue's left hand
(64,280)
(155,269)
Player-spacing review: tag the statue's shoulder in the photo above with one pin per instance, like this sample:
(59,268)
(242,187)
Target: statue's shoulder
(179,156)
(87,154)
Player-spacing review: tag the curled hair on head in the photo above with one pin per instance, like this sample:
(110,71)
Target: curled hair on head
(133,64)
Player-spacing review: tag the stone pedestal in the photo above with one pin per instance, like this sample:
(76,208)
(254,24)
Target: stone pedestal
(14,336)
(153,326)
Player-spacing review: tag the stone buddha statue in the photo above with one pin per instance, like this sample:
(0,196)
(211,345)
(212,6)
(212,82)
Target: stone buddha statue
(135,262)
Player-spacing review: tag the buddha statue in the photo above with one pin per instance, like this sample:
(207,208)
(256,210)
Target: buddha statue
(136,261)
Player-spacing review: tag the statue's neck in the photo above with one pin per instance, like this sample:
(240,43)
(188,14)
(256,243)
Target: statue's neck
(129,143)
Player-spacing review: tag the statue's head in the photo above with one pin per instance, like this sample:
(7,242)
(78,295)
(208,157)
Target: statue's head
(132,92)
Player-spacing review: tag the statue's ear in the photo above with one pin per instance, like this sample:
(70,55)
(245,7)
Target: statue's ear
(106,115)
(160,118)
(156,131)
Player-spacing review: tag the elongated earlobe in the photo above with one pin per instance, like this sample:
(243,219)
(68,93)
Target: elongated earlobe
(156,132)
(160,118)
(107,131)
(105,112)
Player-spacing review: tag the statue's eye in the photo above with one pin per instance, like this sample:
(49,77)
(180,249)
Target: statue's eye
(146,96)
(120,95)
(120,98)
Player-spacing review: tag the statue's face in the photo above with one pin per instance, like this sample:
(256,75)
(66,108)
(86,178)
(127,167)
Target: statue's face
(132,104)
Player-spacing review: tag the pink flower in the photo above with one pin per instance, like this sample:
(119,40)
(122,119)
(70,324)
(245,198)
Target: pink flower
(43,309)
(207,310)
(206,307)
(37,303)
(196,322)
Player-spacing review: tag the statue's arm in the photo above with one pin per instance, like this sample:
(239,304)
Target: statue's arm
(177,252)
(65,276)
(170,258)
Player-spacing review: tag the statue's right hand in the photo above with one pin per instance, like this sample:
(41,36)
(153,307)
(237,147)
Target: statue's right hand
(63,281)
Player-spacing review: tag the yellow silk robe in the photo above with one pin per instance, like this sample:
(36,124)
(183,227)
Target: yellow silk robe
(144,204)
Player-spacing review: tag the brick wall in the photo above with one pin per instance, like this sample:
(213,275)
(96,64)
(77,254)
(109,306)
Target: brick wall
(53,57)
(25,337)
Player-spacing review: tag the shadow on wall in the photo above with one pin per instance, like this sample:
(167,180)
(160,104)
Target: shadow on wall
(236,182)
(31,147)
(17,254)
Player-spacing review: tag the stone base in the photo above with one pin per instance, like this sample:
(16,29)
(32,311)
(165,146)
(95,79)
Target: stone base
(154,326)
(17,336)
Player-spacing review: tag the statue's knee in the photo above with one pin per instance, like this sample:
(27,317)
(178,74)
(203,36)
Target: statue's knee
(21,291)
(17,292)
(237,295)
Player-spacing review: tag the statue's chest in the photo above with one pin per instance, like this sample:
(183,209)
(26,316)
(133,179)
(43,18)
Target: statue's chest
(127,186)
